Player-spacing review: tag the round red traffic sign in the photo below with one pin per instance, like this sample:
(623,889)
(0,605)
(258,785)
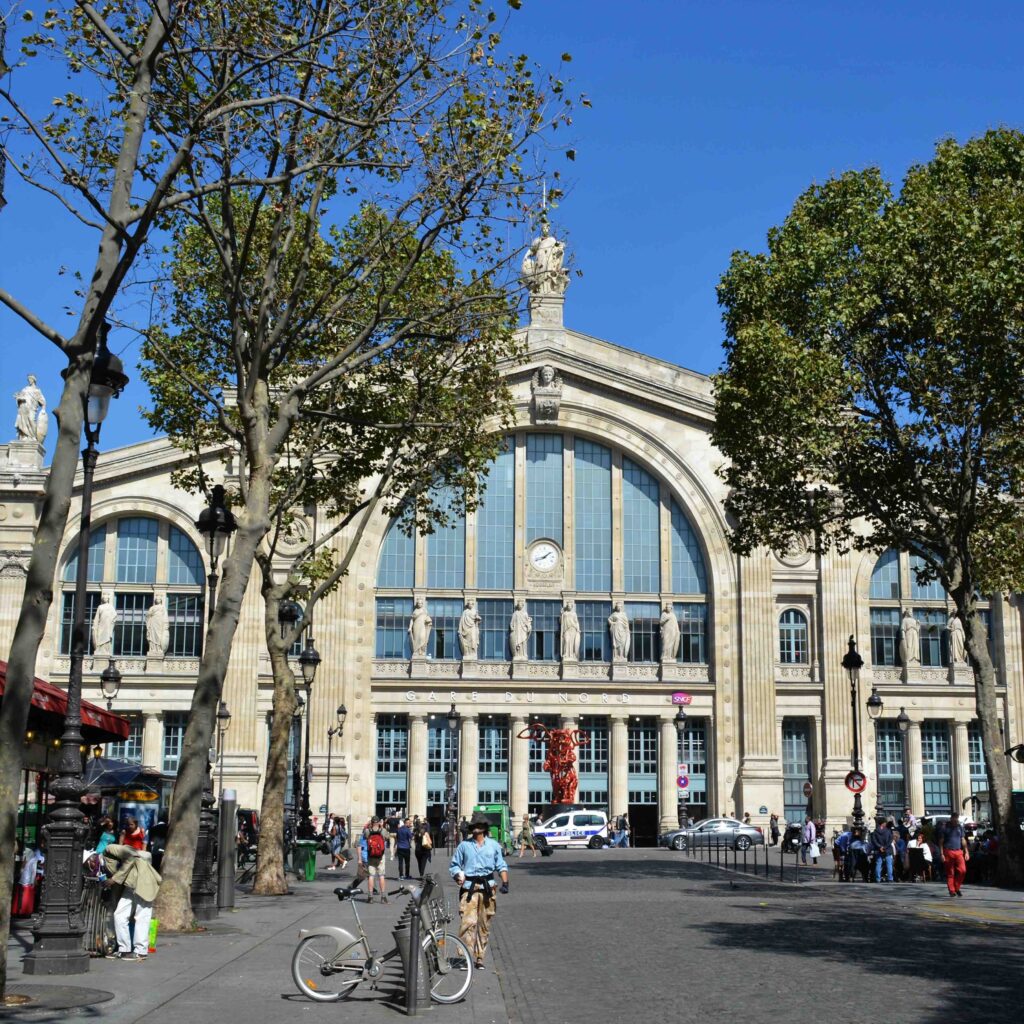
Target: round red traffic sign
(683,781)
(808,789)
(856,782)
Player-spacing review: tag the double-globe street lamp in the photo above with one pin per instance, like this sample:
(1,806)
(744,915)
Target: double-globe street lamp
(335,730)
(58,947)
(682,817)
(216,524)
(853,663)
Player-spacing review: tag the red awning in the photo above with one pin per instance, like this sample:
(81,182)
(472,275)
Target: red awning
(53,700)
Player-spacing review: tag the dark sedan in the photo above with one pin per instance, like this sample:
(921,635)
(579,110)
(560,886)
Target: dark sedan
(727,832)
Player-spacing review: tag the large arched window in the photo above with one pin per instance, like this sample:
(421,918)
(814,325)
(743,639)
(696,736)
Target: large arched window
(134,558)
(590,527)
(793,638)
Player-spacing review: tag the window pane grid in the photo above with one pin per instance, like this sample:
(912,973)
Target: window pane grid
(923,591)
(130,628)
(493,738)
(645,630)
(642,746)
(97,554)
(393,615)
(543,643)
(392,744)
(544,487)
(688,573)
(641,533)
(174,735)
(185,623)
(494,619)
(935,767)
(184,564)
(885,636)
(136,550)
(67,619)
(885,577)
(889,755)
(129,749)
(444,640)
(934,639)
(693,631)
(396,568)
(793,638)
(593,526)
(442,749)
(495,523)
(796,766)
(593,756)
(595,641)
(446,548)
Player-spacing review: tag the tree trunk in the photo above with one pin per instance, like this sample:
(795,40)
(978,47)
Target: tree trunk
(1010,866)
(28,634)
(270,877)
(173,905)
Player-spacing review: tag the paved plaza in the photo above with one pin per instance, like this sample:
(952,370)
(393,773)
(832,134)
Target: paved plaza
(608,934)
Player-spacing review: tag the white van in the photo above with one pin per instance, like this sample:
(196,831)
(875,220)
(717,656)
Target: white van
(574,828)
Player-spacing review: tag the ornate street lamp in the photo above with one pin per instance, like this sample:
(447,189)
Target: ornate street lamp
(853,663)
(335,730)
(58,947)
(875,706)
(216,524)
(309,662)
(110,683)
(680,723)
(903,721)
(451,779)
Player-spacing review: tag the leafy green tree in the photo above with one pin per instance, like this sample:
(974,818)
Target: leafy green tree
(873,388)
(170,103)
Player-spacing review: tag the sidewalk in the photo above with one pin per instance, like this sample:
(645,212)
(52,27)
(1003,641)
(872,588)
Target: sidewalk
(240,969)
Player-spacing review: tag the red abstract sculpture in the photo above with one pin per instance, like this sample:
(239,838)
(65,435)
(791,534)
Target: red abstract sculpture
(560,759)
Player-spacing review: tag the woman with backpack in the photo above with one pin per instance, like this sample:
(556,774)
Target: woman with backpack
(338,841)
(423,846)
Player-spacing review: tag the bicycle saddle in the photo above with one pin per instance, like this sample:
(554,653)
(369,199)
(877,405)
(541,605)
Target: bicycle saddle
(346,892)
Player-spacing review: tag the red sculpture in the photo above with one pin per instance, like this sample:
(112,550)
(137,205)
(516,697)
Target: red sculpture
(561,757)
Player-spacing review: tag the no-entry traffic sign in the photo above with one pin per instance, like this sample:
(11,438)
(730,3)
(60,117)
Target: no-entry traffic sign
(683,781)
(808,789)
(856,782)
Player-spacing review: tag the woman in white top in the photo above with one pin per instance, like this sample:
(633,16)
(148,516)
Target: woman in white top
(920,863)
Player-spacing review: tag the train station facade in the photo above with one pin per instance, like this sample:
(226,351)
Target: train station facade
(604,504)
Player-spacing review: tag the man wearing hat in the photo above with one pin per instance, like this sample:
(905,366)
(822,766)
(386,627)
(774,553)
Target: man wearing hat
(473,866)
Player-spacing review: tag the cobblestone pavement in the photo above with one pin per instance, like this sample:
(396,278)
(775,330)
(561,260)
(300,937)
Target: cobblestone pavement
(239,970)
(652,935)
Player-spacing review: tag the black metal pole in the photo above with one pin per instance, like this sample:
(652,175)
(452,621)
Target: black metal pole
(58,946)
(306,830)
(327,797)
(858,807)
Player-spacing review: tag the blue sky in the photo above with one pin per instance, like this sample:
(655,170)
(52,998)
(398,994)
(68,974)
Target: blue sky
(708,119)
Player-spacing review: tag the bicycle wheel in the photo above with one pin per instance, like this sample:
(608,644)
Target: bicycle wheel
(450,967)
(324,973)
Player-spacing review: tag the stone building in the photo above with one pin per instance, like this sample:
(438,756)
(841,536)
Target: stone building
(604,505)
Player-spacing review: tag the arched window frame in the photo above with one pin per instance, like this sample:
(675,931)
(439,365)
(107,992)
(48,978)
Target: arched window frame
(794,630)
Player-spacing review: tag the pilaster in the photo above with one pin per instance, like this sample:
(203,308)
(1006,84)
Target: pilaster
(416,790)
(519,782)
(961,767)
(153,740)
(668,790)
(618,755)
(915,776)
(469,763)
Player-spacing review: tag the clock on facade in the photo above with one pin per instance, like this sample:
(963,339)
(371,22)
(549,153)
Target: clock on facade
(544,556)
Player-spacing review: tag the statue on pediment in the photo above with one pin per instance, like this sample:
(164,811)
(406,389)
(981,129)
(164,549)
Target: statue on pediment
(542,269)
(547,394)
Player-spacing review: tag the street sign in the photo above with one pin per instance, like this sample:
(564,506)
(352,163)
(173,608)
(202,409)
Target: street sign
(856,782)
(323,808)
(808,789)
(762,809)
(683,782)
(682,698)
(682,769)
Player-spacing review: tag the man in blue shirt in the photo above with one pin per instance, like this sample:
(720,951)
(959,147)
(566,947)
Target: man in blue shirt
(473,866)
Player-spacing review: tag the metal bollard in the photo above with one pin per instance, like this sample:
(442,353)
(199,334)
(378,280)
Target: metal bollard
(226,863)
(409,937)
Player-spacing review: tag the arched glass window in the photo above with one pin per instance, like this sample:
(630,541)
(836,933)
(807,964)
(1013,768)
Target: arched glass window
(885,577)
(793,647)
(97,552)
(641,533)
(446,548)
(544,487)
(397,564)
(688,574)
(496,523)
(931,591)
(136,550)
(593,520)
(184,564)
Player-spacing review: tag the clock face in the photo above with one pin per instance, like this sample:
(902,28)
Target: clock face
(544,556)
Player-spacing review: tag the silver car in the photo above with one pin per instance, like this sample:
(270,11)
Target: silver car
(726,832)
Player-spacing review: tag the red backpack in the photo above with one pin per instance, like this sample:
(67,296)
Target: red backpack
(375,845)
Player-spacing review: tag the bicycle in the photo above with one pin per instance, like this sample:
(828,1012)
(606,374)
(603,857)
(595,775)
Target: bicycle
(330,962)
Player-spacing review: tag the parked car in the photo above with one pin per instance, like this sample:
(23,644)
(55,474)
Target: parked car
(574,828)
(727,832)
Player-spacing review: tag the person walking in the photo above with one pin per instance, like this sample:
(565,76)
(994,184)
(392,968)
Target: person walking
(883,847)
(373,847)
(808,838)
(773,829)
(955,854)
(423,845)
(135,884)
(338,841)
(473,866)
(526,838)
(403,849)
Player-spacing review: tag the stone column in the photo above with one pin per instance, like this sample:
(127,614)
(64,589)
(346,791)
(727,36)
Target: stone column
(915,777)
(618,766)
(469,763)
(153,740)
(668,791)
(416,791)
(961,768)
(519,754)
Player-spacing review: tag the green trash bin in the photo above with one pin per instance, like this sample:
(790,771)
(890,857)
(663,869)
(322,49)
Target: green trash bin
(305,860)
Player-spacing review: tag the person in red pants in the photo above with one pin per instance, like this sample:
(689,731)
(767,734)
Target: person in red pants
(955,855)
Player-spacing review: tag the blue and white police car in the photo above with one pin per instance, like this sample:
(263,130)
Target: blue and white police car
(574,828)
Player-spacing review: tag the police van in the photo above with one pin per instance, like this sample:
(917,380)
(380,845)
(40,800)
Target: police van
(576,827)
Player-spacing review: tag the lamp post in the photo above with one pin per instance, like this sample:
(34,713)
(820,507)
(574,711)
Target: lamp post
(335,730)
(451,780)
(680,723)
(309,662)
(875,706)
(853,663)
(58,947)
(903,722)
(216,523)
(223,722)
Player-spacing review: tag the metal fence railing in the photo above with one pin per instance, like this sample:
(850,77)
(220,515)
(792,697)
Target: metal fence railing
(752,860)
